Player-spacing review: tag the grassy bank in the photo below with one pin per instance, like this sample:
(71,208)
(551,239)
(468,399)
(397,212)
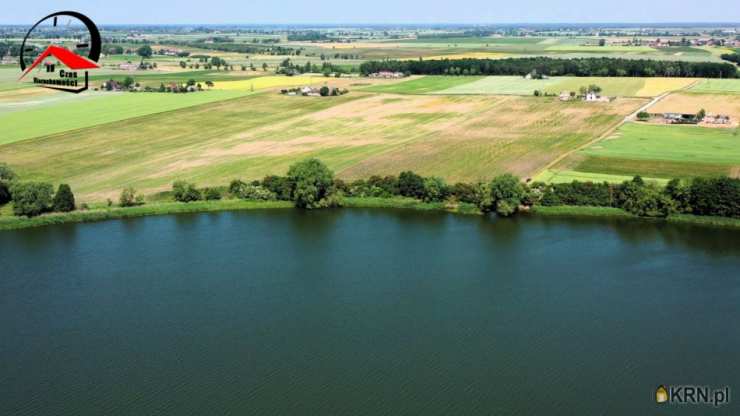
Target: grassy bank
(100,214)
(607,212)
(9,222)
(410,203)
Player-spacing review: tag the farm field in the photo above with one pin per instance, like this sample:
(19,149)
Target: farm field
(717,86)
(516,85)
(691,103)
(357,135)
(94,108)
(567,176)
(661,152)
(423,85)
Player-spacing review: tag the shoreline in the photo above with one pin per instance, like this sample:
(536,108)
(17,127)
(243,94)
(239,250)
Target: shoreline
(8,222)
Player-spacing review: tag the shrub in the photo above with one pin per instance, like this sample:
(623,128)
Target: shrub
(643,116)
(579,193)
(281,186)
(465,192)
(211,194)
(648,201)
(31,198)
(324,91)
(129,198)
(507,193)
(64,199)
(185,192)
(435,189)
(313,184)
(236,186)
(255,192)
(411,185)
(4,193)
(7,174)
(680,193)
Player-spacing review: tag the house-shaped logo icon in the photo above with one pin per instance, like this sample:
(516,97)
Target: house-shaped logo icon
(68,80)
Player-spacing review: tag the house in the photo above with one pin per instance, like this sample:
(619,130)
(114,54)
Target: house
(593,97)
(128,67)
(716,119)
(387,74)
(565,96)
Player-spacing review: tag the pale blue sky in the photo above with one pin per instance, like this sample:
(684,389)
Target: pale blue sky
(379,11)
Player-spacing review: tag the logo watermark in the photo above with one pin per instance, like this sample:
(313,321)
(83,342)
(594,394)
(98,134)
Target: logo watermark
(692,394)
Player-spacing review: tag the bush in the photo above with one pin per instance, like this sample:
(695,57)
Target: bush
(31,198)
(465,192)
(185,192)
(578,193)
(324,91)
(713,196)
(4,193)
(211,194)
(411,185)
(7,174)
(281,186)
(680,193)
(648,201)
(255,192)
(313,184)
(129,198)
(64,199)
(435,189)
(507,193)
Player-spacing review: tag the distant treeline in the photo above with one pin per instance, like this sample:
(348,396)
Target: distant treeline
(308,36)
(580,67)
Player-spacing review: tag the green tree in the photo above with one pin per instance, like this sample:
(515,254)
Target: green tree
(324,91)
(648,201)
(313,184)
(185,192)
(435,189)
(145,52)
(507,193)
(64,199)
(31,198)
(130,198)
(211,194)
(411,185)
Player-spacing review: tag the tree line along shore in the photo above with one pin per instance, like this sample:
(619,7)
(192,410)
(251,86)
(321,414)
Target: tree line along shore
(309,184)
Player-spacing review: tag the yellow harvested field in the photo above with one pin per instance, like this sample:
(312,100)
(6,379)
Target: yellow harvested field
(692,103)
(656,86)
(261,83)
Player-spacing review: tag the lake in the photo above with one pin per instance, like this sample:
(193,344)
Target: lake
(365,312)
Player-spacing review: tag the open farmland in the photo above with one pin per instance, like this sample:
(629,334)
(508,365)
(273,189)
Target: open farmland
(92,109)
(516,85)
(717,86)
(661,152)
(423,85)
(691,104)
(459,138)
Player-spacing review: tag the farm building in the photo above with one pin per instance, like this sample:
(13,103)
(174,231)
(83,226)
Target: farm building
(566,96)
(717,119)
(387,74)
(593,97)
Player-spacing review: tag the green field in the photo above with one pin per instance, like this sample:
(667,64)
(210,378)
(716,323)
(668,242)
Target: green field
(358,135)
(516,85)
(423,85)
(91,109)
(661,152)
(717,86)
(567,176)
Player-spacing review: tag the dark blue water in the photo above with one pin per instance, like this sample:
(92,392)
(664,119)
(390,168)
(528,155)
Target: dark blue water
(356,312)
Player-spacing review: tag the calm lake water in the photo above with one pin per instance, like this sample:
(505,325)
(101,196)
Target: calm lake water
(365,312)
